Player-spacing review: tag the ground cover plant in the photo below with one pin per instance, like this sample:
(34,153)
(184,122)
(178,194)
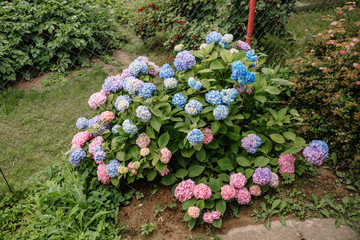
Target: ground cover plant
(213,125)
(327,74)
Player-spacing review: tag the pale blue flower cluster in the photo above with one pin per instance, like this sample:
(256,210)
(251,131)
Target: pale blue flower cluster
(196,85)
(137,67)
(122,103)
(229,95)
(250,55)
(143,113)
(213,37)
(112,84)
(115,128)
(221,112)
(195,137)
(214,97)
(82,123)
(76,156)
(112,168)
(179,100)
(132,85)
(99,154)
(251,143)
(193,107)
(128,127)
(184,61)
(147,90)
(166,71)
(225,40)
(170,83)
(94,120)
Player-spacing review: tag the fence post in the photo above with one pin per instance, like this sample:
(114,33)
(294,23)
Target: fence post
(251,21)
(6,180)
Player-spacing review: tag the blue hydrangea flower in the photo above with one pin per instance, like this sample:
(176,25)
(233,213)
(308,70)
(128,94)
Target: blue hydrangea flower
(147,90)
(166,71)
(179,100)
(250,77)
(319,144)
(99,154)
(214,97)
(94,120)
(250,55)
(122,103)
(76,156)
(137,67)
(170,83)
(128,127)
(82,123)
(238,71)
(227,100)
(112,168)
(132,85)
(123,97)
(223,44)
(104,127)
(251,143)
(221,112)
(184,61)
(193,107)
(114,129)
(213,37)
(196,85)
(195,137)
(112,84)
(229,95)
(143,113)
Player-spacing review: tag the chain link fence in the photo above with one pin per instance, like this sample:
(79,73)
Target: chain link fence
(38,37)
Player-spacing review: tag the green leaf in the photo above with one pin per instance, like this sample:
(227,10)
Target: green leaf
(226,164)
(191,223)
(209,203)
(293,150)
(221,206)
(187,152)
(115,181)
(155,123)
(189,203)
(233,136)
(195,170)
(260,98)
(226,56)
(217,223)
(261,161)
(205,71)
(242,161)
(289,135)
(163,140)
(272,90)
(169,179)
(216,65)
(215,127)
(275,204)
(277,138)
(200,204)
(214,184)
(201,155)
(150,132)
(187,217)
(249,172)
(181,173)
(224,177)
(151,175)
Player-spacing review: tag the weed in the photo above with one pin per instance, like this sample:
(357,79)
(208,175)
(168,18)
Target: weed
(147,228)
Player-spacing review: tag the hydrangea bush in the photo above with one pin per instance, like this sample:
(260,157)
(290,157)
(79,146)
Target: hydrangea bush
(210,125)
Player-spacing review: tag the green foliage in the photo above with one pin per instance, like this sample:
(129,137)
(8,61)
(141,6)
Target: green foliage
(147,228)
(188,22)
(50,35)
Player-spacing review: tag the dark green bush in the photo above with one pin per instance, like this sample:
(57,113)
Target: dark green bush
(52,35)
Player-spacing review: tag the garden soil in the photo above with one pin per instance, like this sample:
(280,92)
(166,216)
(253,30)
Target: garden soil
(170,225)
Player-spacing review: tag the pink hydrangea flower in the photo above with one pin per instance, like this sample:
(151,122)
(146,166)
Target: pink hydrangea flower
(227,192)
(209,217)
(102,174)
(208,135)
(185,190)
(242,195)
(351,8)
(96,100)
(357,82)
(131,168)
(202,191)
(155,71)
(312,50)
(103,93)
(165,155)
(143,141)
(286,163)
(94,143)
(80,139)
(356,65)
(144,152)
(193,212)
(107,116)
(165,172)
(342,52)
(255,190)
(333,24)
(237,180)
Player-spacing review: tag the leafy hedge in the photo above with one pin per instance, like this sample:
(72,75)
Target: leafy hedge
(189,21)
(50,35)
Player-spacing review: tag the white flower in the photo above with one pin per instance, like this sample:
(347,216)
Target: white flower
(228,38)
(203,45)
(233,50)
(178,47)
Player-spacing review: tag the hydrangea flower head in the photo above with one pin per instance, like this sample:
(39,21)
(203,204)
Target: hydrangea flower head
(82,123)
(125,74)
(147,90)
(102,174)
(250,55)
(287,163)
(315,156)
(99,154)
(143,140)
(233,50)
(228,38)
(115,128)
(170,83)
(96,100)
(153,69)
(237,180)
(195,137)
(229,95)
(319,144)
(243,46)
(144,152)
(184,61)
(196,85)
(204,45)
(80,139)
(137,67)
(112,84)
(262,176)
(227,192)
(133,85)
(209,217)
(122,105)
(193,107)
(242,195)
(178,100)
(165,155)
(94,143)
(165,172)
(166,71)
(143,113)
(208,135)
(250,77)
(178,47)
(123,170)
(202,191)
(274,182)
(213,37)
(112,168)
(104,127)
(193,212)
(221,112)
(251,143)
(214,97)
(107,116)
(238,72)
(128,127)
(255,190)
(185,190)
(144,59)
(76,156)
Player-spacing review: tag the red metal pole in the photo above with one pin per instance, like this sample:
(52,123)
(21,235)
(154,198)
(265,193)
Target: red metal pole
(251,21)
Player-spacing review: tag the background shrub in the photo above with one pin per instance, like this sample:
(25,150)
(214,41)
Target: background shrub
(50,35)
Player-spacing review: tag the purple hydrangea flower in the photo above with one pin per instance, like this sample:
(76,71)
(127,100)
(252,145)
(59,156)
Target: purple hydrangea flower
(99,154)
(320,145)
(184,61)
(94,120)
(104,127)
(243,45)
(76,156)
(82,123)
(251,143)
(262,176)
(112,84)
(125,74)
(315,156)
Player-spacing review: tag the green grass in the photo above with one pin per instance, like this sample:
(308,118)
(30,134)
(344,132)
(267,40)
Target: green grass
(37,126)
